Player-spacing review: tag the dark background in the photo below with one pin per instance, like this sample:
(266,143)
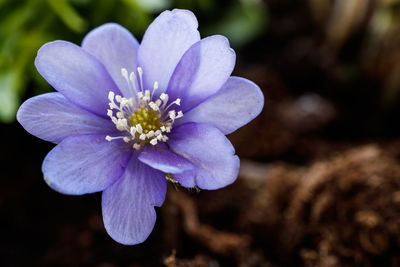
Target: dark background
(320,176)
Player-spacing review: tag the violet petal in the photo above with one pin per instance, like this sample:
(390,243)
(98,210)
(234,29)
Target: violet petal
(85,164)
(53,118)
(216,164)
(161,158)
(186,179)
(164,43)
(116,48)
(201,72)
(237,103)
(128,204)
(78,75)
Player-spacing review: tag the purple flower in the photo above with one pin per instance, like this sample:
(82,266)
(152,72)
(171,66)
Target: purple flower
(127,117)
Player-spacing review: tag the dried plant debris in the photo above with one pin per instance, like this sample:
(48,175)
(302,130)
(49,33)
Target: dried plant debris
(220,242)
(341,211)
(199,260)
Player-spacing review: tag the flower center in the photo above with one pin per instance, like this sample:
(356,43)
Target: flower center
(148,118)
(141,119)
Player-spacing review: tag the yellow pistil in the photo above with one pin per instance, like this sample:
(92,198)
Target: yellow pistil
(147,118)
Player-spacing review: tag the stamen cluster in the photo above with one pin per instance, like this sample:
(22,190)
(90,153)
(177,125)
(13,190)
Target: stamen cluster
(142,119)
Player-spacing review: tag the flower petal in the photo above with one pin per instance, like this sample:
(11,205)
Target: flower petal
(203,69)
(161,158)
(85,164)
(164,43)
(116,48)
(128,205)
(216,164)
(76,74)
(186,179)
(237,103)
(53,118)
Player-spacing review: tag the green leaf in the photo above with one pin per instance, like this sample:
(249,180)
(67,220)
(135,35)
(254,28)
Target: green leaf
(68,15)
(153,5)
(8,96)
(242,22)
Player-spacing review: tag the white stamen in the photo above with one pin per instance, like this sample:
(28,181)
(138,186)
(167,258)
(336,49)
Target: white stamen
(139,128)
(126,139)
(124,73)
(131,102)
(112,105)
(133,79)
(154,106)
(150,134)
(172,114)
(155,87)
(164,98)
(109,138)
(140,71)
(180,115)
(146,95)
(177,102)
(121,124)
(120,115)
(136,146)
(132,131)
(153,141)
(111,96)
(124,103)
(142,136)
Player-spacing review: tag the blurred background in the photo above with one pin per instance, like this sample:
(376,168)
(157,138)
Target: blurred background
(320,175)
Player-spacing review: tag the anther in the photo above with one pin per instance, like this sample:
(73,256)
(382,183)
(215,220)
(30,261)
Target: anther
(124,73)
(150,134)
(155,87)
(120,115)
(172,114)
(180,115)
(111,96)
(139,128)
(136,146)
(146,95)
(153,141)
(164,97)
(132,131)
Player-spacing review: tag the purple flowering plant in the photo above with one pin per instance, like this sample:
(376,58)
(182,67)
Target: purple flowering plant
(127,117)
